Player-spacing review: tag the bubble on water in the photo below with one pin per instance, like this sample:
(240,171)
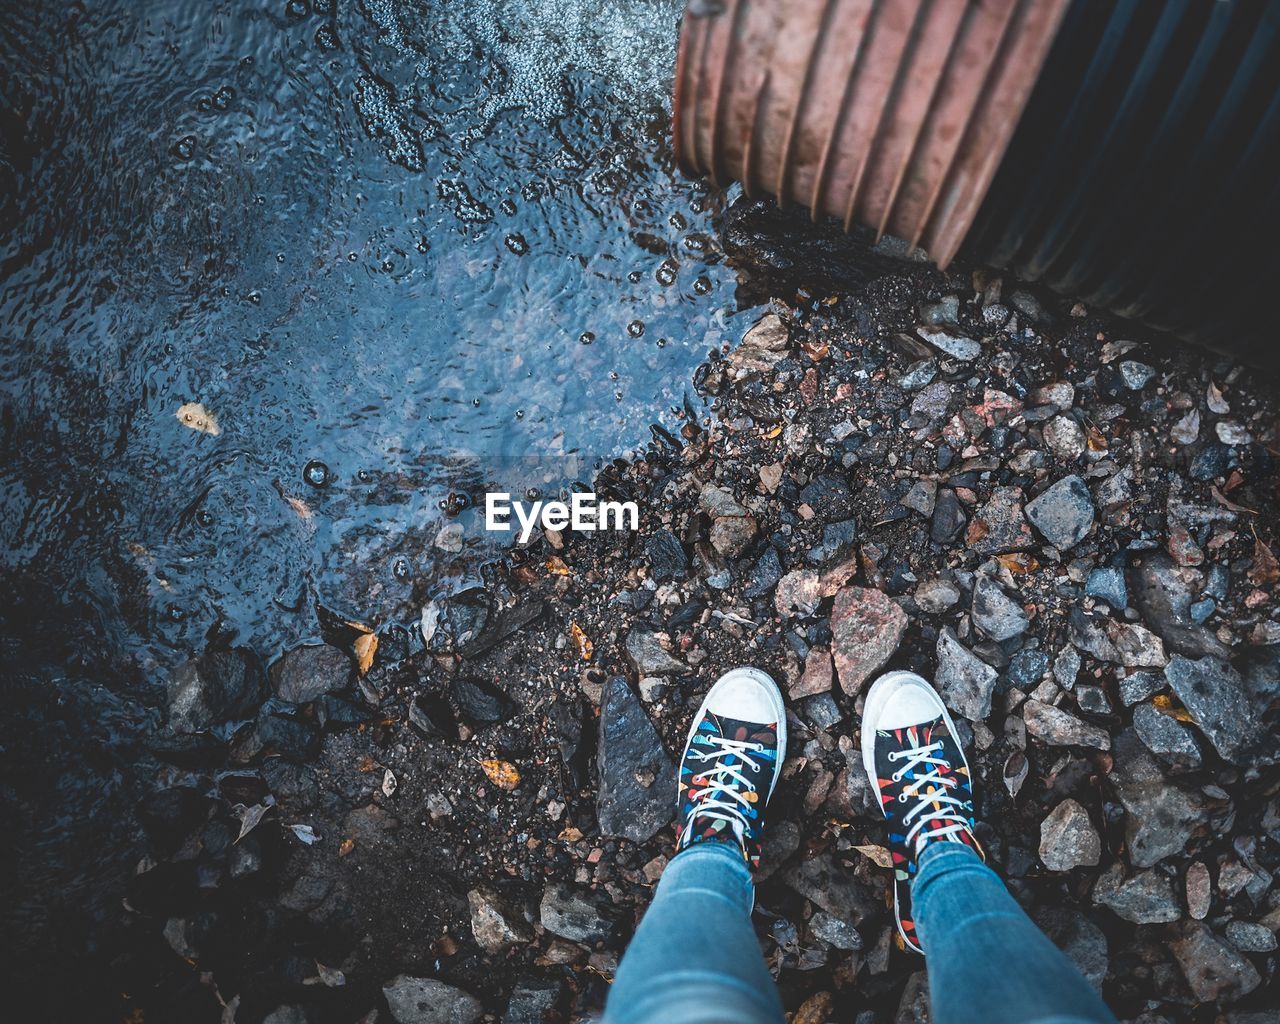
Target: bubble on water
(667,272)
(677,221)
(662,343)
(184,148)
(296,10)
(702,285)
(455,504)
(586,337)
(316,473)
(400,569)
(516,243)
(223,97)
(476,402)
(326,38)
(519,414)
(456,195)
(279,257)
(531,192)
(389,122)
(532,494)
(508,208)
(635,276)
(635,328)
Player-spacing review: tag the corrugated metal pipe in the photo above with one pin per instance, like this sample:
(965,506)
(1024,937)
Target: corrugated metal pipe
(1126,152)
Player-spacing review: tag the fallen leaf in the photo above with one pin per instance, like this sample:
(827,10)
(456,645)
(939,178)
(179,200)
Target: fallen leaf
(197,417)
(878,855)
(365,646)
(330,977)
(1015,771)
(1163,702)
(570,835)
(250,816)
(1018,563)
(346,846)
(773,433)
(299,506)
(581,641)
(1095,439)
(502,774)
(367,764)
(555,566)
(305,833)
(1265,570)
(1225,503)
(814,1010)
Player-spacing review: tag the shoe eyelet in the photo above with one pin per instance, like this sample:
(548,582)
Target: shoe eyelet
(902,798)
(896,777)
(892,755)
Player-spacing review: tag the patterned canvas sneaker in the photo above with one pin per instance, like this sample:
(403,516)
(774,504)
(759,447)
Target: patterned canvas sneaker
(913,757)
(731,762)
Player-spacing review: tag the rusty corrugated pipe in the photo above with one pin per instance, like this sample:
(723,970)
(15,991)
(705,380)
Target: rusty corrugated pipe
(892,113)
(1121,151)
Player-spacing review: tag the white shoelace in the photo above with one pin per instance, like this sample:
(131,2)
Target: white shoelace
(950,809)
(723,781)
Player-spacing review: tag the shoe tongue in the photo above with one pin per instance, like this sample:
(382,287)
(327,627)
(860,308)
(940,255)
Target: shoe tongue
(746,732)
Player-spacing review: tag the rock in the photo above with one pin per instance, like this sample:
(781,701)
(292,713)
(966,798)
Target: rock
(1078,937)
(1068,839)
(1066,668)
(955,345)
(1135,646)
(821,711)
(306,673)
(428,1001)
(732,535)
(1135,375)
(1063,513)
(936,596)
(1093,700)
(667,558)
(451,538)
(493,923)
(1140,686)
(866,628)
(825,882)
(1219,701)
(1108,584)
(1214,971)
(995,613)
(1000,526)
(948,518)
(574,914)
(1146,898)
(817,675)
(1065,438)
(647,655)
(762,346)
(1187,430)
(1116,490)
(286,1015)
(1163,594)
(1199,891)
(964,681)
(532,1002)
(834,932)
(1171,741)
(913,1004)
(221,685)
(933,401)
(1249,937)
(717,502)
(764,575)
(837,541)
(1058,728)
(921,497)
(1027,668)
(1160,815)
(481,701)
(631,760)
(1061,394)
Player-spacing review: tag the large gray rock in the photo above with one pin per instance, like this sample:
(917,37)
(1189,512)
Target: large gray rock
(964,681)
(1214,971)
(635,798)
(1160,815)
(428,1001)
(1172,742)
(575,914)
(995,613)
(648,657)
(1146,898)
(1059,728)
(866,628)
(838,891)
(1226,711)
(1068,839)
(1163,593)
(309,672)
(533,1001)
(221,685)
(1078,937)
(494,923)
(1063,513)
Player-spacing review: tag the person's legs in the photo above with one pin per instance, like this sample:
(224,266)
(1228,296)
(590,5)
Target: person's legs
(695,959)
(987,961)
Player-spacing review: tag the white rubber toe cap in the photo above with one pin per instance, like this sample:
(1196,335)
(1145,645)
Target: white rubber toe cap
(748,695)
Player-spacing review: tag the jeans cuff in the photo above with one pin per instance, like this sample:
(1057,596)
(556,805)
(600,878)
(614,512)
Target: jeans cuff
(940,858)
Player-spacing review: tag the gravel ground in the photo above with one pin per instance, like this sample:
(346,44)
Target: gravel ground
(1070,527)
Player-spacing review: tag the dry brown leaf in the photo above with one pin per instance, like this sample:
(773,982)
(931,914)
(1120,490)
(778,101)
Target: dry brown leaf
(1018,563)
(570,835)
(367,764)
(197,417)
(581,641)
(346,846)
(1265,569)
(556,566)
(814,1010)
(299,506)
(1226,503)
(878,855)
(365,646)
(1163,702)
(773,433)
(1095,439)
(502,774)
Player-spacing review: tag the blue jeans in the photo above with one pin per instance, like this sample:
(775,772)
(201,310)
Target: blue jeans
(695,958)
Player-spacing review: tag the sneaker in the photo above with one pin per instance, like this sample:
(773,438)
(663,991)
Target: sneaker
(731,763)
(914,759)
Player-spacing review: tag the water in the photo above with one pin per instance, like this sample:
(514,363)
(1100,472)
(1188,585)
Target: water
(394,248)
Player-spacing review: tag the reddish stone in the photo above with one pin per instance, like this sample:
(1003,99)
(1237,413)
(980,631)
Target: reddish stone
(866,628)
